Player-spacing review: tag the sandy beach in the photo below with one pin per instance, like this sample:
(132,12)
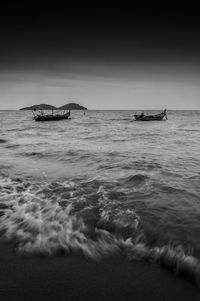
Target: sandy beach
(75,278)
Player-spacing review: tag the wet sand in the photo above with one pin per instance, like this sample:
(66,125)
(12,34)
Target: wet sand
(75,278)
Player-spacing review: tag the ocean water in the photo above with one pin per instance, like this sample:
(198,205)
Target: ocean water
(101,184)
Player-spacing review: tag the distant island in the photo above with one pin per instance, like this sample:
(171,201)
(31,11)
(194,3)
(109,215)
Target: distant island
(43,106)
(72,106)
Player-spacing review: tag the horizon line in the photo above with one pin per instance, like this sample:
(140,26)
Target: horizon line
(109,109)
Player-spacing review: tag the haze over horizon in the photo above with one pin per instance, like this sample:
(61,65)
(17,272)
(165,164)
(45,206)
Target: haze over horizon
(141,60)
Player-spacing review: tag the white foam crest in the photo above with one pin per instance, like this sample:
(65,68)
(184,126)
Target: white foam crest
(103,198)
(175,258)
(121,218)
(114,213)
(39,225)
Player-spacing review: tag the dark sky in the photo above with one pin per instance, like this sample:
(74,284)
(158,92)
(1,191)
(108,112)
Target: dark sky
(110,44)
(139,32)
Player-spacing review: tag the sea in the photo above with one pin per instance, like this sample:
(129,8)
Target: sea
(101,184)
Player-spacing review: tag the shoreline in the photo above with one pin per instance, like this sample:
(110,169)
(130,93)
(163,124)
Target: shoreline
(76,278)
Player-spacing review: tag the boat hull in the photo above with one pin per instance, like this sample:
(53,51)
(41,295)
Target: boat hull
(146,118)
(158,117)
(51,117)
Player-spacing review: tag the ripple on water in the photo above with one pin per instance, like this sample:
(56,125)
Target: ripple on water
(3,140)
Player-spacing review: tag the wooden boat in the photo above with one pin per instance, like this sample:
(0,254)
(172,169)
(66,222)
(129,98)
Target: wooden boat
(156,117)
(51,117)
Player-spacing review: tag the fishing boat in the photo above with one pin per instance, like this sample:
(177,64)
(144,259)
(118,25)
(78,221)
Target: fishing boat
(156,117)
(51,117)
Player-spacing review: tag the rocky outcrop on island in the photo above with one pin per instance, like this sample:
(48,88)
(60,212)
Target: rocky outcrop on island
(69,106)
(72,106)
(42,106)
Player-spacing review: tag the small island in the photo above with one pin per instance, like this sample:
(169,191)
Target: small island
(69,106)
(72,106)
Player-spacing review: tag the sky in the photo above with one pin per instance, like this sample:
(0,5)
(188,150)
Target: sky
(103,57)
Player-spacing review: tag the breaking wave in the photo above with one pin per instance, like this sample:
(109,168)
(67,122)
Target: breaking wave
(68,216)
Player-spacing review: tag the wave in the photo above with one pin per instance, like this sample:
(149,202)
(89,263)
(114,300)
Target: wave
(38,155)
(175,190)
(173,258)
(12,146)
(120,140)
(136,179)
(40,224)
(61,156)
(141,165)
(63,217)
(189,130)
(121,119)
(3,140)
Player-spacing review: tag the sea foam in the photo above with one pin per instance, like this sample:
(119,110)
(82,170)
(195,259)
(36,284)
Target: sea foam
(37,219)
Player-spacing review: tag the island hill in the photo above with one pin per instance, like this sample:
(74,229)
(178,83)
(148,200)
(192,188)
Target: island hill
(69,106)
